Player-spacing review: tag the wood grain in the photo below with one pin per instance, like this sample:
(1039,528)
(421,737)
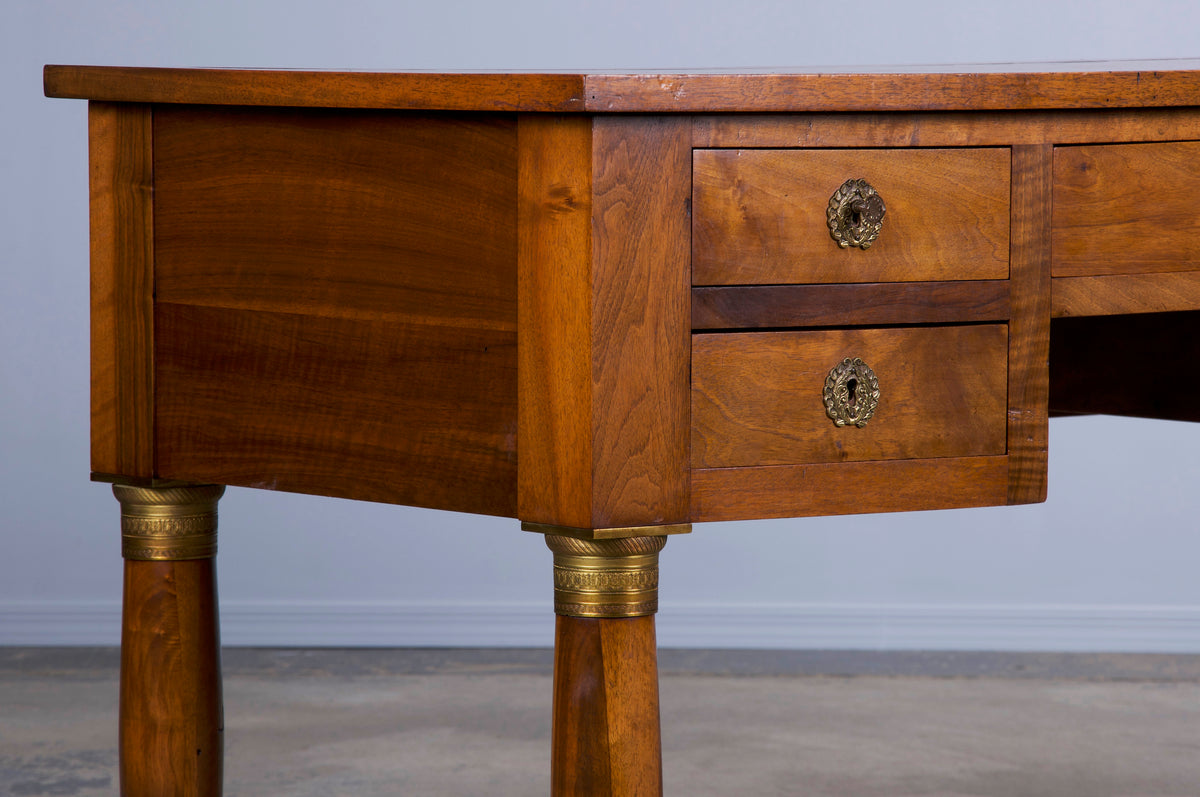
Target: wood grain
(121,177)
(757,398)
(759,216)
(847,488)
(958,88)
(606,737)
(171,722)
(1126,293)
(954,88)
(477,91)
(338,213)
(1029,327)
(554,438)
(1138,365)
(641,321)
(954,129)
(337,298)
(872,304)
(604,321)
(372,410)
(1126,209)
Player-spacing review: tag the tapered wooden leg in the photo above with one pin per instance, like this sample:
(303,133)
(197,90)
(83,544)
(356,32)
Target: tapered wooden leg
(606,737)
(170,708)
(606,729)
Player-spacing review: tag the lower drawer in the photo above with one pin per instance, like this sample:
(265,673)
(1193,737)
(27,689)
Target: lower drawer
(759,398)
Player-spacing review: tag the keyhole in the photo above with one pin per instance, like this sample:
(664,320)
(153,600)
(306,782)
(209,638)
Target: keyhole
(856,214)
(851,387)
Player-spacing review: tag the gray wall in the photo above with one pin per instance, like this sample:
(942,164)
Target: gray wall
(1108,563)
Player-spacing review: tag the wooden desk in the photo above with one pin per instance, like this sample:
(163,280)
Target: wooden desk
(610,306)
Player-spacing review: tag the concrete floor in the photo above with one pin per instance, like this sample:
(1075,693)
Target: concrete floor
(428,722)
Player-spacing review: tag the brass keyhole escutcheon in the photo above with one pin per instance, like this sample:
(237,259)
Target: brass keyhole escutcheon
(855,214)
(851,393)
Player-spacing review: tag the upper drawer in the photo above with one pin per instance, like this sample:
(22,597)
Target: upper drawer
(1126,209)
(759,216)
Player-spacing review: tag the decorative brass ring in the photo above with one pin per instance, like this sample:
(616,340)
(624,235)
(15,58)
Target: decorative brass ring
(851,393)
(168,524)
(855,214)
(605,578)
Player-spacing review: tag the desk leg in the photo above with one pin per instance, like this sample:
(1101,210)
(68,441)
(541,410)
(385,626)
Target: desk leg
(170,709)
(606,738)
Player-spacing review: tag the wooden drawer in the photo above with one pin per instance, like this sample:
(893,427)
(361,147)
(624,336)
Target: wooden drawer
(1126,209)
(757,398)
(759,216)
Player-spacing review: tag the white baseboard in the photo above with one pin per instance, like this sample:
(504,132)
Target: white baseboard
(1103,628)
(1164,629)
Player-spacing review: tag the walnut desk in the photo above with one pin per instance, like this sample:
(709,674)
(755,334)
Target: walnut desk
(609,306)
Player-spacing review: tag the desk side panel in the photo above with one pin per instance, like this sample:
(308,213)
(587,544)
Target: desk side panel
(122,288)
(336,303)
(371,410)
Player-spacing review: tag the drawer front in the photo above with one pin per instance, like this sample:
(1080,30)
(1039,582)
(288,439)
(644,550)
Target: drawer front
(759,216)
(1126,209)
(758,398)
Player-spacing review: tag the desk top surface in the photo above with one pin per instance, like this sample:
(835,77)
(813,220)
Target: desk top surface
(1131,84)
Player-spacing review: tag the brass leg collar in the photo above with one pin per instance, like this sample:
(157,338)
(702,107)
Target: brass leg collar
(605,578)
(168,524)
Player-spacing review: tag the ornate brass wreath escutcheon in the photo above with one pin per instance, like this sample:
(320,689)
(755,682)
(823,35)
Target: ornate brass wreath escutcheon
(855,214)
(851,393)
